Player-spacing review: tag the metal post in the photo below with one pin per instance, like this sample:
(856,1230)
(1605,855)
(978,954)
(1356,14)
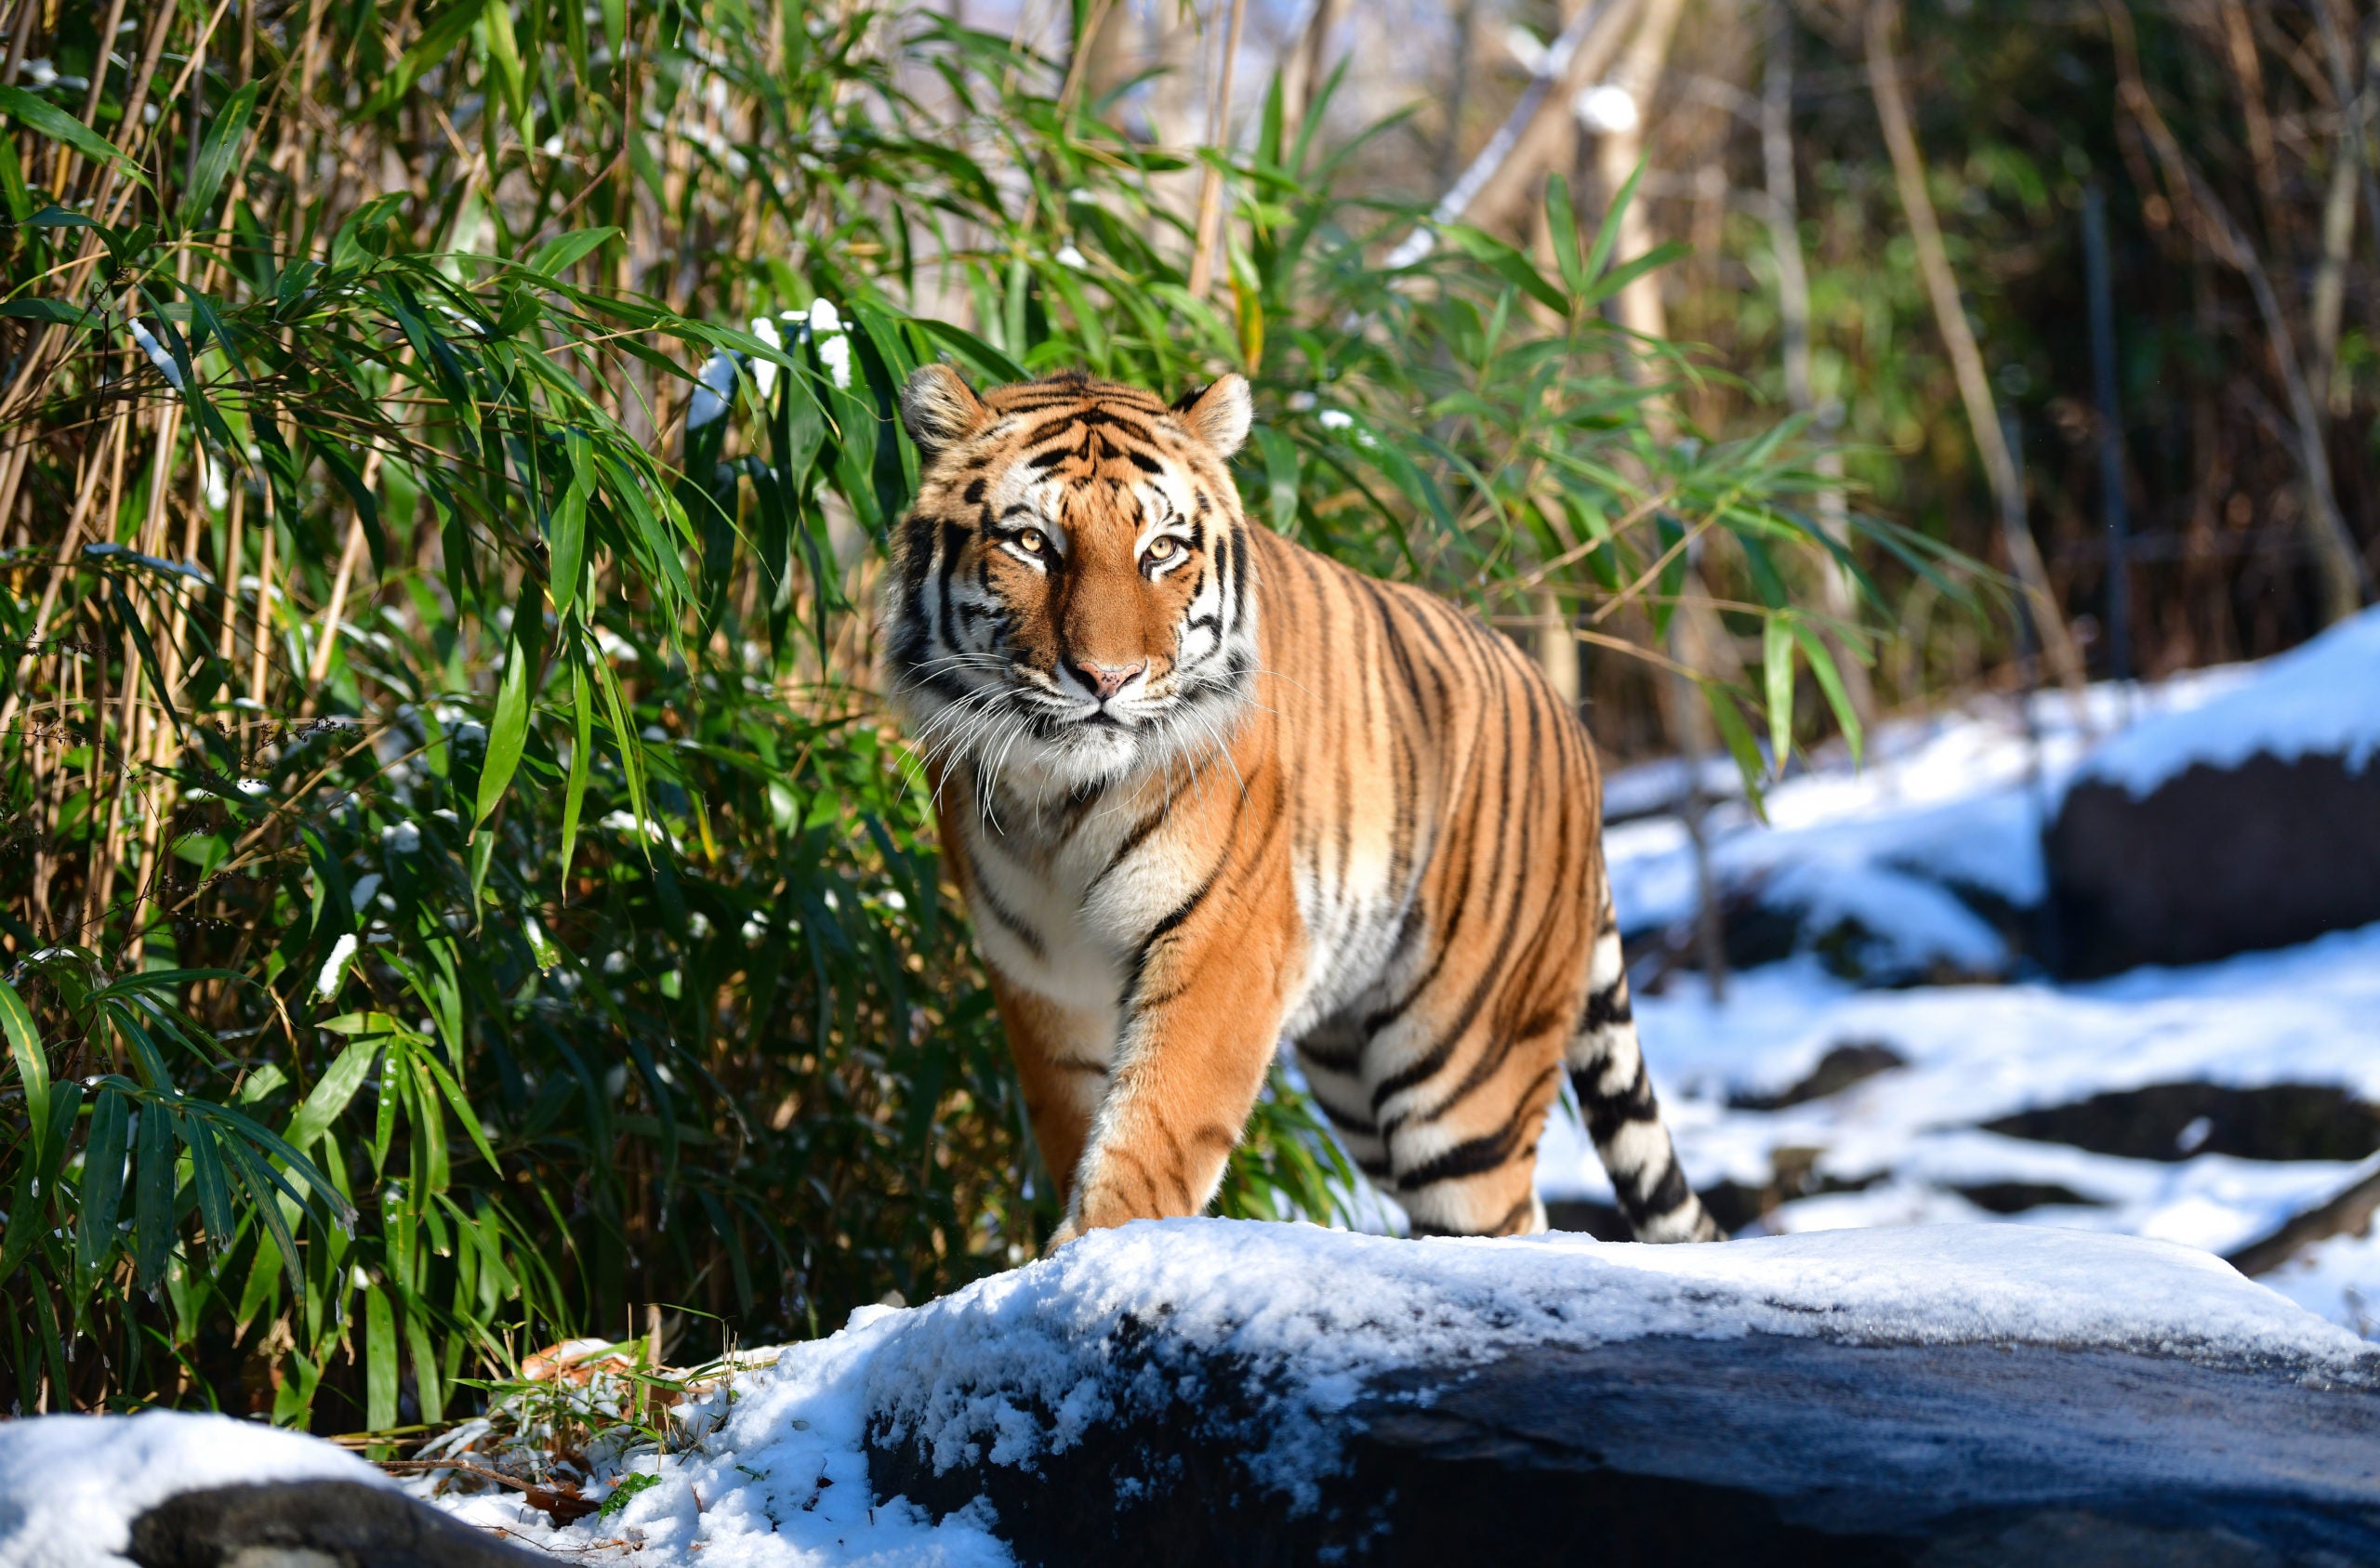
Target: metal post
(2103,375)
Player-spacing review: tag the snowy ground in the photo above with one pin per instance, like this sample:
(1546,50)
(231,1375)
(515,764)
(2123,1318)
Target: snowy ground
(1914,848)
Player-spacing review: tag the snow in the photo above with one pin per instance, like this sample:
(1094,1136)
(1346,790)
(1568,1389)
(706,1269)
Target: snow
(1028,1362)
(2321,699)
(767,1466)
(1909,1137)
(71,1485)
(1906,853)
(772,1475)
(1903,862)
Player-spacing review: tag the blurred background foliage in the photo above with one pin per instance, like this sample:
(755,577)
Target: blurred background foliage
(459,889)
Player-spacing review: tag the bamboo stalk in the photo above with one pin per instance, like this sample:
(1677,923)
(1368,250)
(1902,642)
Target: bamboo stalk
(85,494)
(1794,317)
(1210,181)
(319,664)
(260,641)
(1966,358)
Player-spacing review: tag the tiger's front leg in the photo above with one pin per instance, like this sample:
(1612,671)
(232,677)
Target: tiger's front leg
(1201,1017)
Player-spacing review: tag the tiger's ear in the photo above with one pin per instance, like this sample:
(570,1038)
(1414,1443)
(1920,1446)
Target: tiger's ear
(1218,414)
(939,409)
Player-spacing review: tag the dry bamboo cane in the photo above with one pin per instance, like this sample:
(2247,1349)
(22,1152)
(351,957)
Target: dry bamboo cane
(83,491)
(1966,358)
(1210,181)
(260,640)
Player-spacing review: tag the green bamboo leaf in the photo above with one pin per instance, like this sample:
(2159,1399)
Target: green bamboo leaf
(1508,264)
(562,252)
(506,732)
(569,547)
(1562,226)
(438,40)
(225,132)
(102,1192)
(504,51)
(1627,272)
(32,1064)
(1829,680)
(331,1093)
(1776,663)
(379,1361)
(56,312)
(277,1246)
(206,1178)
(152,1204)
(45,118)
(1740,745)
(582,708)
(425,1387)
(1607,232)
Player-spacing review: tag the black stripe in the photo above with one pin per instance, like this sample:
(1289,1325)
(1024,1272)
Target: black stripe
(1605,1007)
(1015,923)
(1172,919)
(1133,841)
(1474,1156)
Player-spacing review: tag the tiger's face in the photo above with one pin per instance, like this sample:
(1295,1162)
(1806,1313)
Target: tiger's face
(1072,594)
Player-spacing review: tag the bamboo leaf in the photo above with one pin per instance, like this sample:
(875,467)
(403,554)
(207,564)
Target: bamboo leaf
(1737,734)
(569,544)
(45,118)
(332,1092)
(102,1192)
(32,1064)
(379,1361)
(1777,663)
(225,132)
(1829,682)
(582,709)
(152,1207)
(1562,226)
(506,732)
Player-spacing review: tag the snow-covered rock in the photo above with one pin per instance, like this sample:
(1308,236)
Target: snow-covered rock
(1204,1391)
(71,1486)
(2252,822)
(2321,699)
(1149,1378)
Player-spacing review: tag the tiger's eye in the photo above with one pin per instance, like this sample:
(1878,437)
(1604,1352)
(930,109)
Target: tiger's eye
(1163,549)
(1032,541)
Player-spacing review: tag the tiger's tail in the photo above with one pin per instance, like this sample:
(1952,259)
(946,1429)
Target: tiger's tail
(1616,1094)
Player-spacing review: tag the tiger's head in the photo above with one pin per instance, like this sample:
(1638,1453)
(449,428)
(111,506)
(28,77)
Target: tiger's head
(1072,594)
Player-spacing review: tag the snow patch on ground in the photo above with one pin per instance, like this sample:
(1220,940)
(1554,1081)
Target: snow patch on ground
(2321,699)
(1945,817)
(71,1485)
(1909,1136)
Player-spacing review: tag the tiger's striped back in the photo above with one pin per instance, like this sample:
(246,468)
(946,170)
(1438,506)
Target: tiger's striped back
(1207,791)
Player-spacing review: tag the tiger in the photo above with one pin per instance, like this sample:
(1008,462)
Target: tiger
(1207,794)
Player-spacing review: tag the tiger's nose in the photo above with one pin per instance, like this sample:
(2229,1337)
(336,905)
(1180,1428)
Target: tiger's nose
(1106,680)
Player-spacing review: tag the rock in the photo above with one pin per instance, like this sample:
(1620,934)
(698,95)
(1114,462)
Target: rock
(1936,1397)
(1846,1064)
(1759,1450)
(2183,1121)
(2213,860)
(311,1525)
